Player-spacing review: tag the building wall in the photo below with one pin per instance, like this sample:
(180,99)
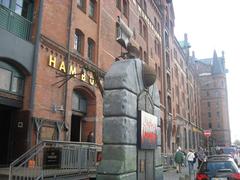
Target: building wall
(214,106)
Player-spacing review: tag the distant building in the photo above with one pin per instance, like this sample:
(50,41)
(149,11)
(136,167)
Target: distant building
(214,98)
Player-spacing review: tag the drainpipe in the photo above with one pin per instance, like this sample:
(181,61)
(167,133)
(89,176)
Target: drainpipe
(67,63)
(164,81)
(34,70)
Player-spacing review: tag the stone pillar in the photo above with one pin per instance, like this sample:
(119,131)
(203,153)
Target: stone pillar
(122,85)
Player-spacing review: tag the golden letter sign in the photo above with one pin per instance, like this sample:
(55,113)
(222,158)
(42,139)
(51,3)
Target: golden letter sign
(77,72)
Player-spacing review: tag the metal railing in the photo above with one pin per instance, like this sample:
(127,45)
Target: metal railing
(53,159)
(14,23)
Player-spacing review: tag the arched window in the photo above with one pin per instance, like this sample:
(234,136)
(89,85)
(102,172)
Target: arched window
(91,49)
(79,41)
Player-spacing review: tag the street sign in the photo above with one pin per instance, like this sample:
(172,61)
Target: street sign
(207,132)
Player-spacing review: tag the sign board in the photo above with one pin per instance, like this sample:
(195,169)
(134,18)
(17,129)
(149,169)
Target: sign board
(147,130)
(207,133)
(52,158)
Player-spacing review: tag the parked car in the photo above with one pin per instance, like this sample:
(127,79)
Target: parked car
(219,155)
(230,150)
(218,168)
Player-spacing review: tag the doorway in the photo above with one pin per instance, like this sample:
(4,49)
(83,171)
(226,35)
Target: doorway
(5,134)
(76,128)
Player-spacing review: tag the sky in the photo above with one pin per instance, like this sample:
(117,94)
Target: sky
(214,25)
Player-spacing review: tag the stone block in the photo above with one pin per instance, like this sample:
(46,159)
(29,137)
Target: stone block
(126,130)
(120,103)
(124,75)
(118,159)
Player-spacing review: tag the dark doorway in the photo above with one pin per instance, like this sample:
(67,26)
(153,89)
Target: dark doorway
(5,132)
(75,128)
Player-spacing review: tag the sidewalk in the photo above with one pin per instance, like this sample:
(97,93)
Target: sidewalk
(171,174)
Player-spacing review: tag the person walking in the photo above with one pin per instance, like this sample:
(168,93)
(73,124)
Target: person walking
(179,158)
(201,156)
(190,159)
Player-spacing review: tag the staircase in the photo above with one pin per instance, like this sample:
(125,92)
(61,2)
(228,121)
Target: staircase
(55,160)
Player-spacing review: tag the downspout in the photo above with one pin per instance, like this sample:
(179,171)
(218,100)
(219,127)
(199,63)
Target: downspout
(34,70)
(67,64)
(164,80)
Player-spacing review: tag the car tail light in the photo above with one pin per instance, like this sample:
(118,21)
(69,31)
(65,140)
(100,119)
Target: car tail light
(235,176)
(202,176)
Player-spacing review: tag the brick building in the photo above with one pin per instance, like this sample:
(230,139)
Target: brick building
(214,98)
(53,61)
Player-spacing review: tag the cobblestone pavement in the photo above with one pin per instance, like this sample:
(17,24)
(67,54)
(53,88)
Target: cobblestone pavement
(173,175)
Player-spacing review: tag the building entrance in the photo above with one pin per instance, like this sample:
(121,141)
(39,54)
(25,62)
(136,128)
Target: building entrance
(76,128)
(6,114)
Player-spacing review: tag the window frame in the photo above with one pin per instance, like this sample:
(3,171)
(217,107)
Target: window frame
(80,41)
(83,8)
(91,49)
(94,15)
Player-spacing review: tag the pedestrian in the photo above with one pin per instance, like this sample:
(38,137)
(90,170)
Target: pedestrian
(190,159)
(90,137)
(201,156)
(179,158)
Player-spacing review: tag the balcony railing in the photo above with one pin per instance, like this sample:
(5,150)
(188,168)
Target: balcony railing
(14,23)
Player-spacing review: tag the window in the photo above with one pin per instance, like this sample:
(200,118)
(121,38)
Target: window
(79,41)
(5,3)
(118,4)
(169,104)
(79,103)
(24,8)
(168,82)
(209,104)
(166,40)
(91,49)
(145,6)
(210,125)
(92,9)
(168,60)
(145,56)
(159,72)
(82,4)
(209,114)
(140,52)
(5,79)
(10,79)
(125,8)
(144,32)
(140,27)
(218,114)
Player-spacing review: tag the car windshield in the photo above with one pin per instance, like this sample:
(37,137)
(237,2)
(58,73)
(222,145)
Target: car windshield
(218,166)
(228,150)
